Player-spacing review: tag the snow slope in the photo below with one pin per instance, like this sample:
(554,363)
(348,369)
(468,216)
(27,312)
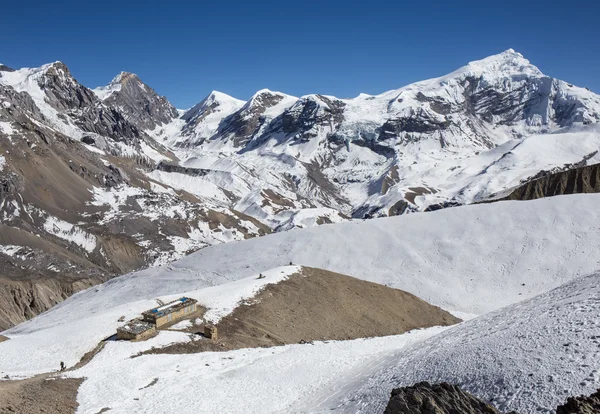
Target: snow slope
(35,351)
(27,80)
(261,380)
(104,92)
(456,258)
(528,357)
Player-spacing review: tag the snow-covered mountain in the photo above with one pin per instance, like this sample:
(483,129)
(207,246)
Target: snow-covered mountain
(121,181)
(76,204)
(455,139)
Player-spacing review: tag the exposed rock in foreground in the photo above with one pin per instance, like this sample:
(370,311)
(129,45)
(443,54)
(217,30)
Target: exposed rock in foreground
(581,405)
(444,398)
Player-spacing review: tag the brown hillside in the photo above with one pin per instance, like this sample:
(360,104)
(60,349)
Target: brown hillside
(319,305)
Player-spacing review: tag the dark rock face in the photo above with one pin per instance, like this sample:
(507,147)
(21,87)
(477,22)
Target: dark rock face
(509,105)
(20,102)
(80,104)
(444,398)
(439,206)
(142,106)
(309,112)
(421,124)
(574,181)
(245,123)
(398,209)
(62,90)
(581,405)
(172,168)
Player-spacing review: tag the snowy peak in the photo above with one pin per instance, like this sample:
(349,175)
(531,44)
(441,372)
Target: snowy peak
(216,102)
(104,92)
(265,99)
(56,99)
(508,62)
(140,104)
(21,77)
(250,120)
(223,98)
(202,121)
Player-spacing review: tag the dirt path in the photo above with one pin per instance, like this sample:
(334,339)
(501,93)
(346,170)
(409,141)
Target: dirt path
(319,305)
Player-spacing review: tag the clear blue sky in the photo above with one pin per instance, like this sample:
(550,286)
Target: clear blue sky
(186,49)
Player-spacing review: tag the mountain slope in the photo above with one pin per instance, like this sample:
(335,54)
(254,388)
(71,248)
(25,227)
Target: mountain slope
(456,258)
(314,305)
(529,357)
(572,181)
(139,103)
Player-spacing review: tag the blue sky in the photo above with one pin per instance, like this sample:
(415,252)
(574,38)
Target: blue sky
(186,49)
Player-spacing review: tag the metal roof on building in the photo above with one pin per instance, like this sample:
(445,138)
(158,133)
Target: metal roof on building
(170,307)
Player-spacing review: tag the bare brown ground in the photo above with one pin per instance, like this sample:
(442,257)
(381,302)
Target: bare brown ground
(41,394)
(3,338)
(44,393)
(318,305)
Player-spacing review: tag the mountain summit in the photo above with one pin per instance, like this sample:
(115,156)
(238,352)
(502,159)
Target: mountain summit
(140,104)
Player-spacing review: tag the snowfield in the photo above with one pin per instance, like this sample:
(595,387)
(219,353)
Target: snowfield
(70,232)
(455,258)
(262,380)
(528,357)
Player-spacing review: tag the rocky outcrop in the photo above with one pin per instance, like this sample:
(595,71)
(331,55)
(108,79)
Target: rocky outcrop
(444,398)
(139,103)
(22,300)
(581,405)
(242,125)
(309,112)
(574,181)
(65,94)
(173,168)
